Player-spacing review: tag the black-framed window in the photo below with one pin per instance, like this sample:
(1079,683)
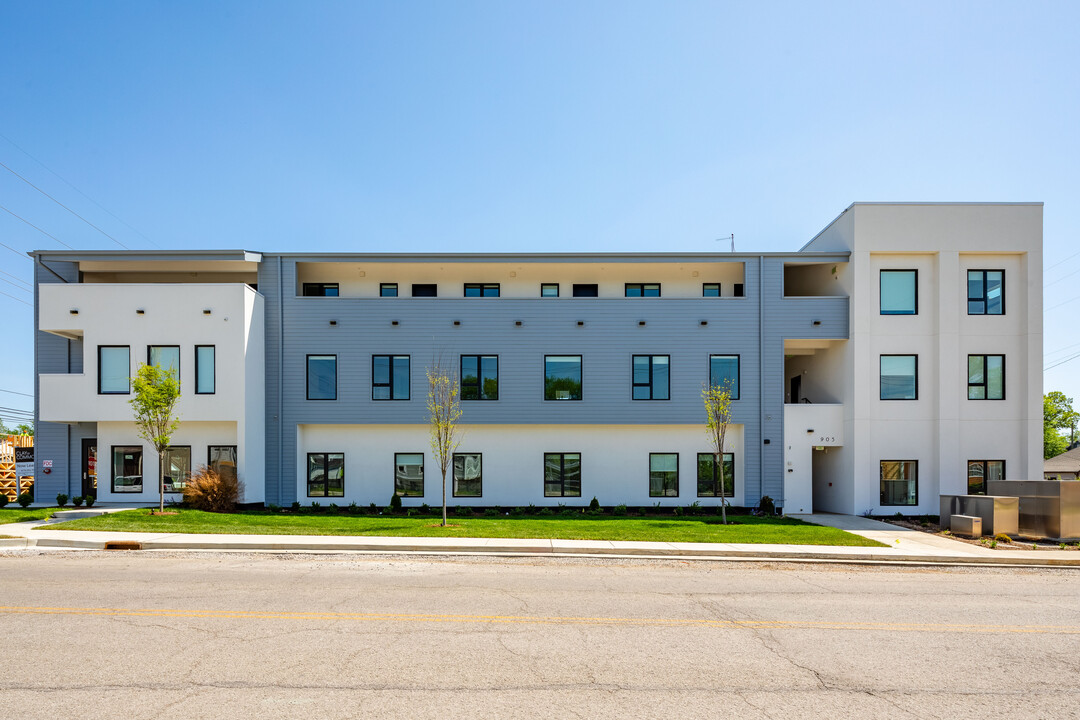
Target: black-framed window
(708,475)
(899,377)
(651,377)
(389,377)
(205,370)
(479,377)
(562,377)
(562,474)
(899,292)
(586,290)
(388,290)
(739,290)
(326,474)
(642,290)
(468,475)
(176,460)
(316,289)
(986,377)
(549,289)
(986,292)
(409,474)
(710,289)
(222,459)
(425,290)
(663,475)
(322,377)
(127,468)
(481,289)
(979,472)
(165,357)
(114,370)
(724,372)
(899,482)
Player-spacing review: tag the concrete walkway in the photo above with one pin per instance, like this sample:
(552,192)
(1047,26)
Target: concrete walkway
(903,545)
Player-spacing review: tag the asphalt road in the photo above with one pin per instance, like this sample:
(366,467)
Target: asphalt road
(171,635)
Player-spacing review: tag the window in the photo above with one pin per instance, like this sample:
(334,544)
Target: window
(549,290)
(585,290)
(222,460)
(322,377)
(205,370)
(479,377)
(425,290)
(899,482)
(481,289)
(642,289)
(177,464)
(652,377)
(326,474)
(724,372)
(708,475)
(387,289)
(562,474)
(114,369)
(899,377)
(899,294)
(320,289)
(740,290)
(468,475)
(166,357)
(982,471)
(127,469)
(562,377)
(986,377)
(710,290)
(663,475)
(986,292)
(389,377)
(409,474)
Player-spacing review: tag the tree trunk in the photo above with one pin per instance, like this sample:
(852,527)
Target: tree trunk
(161,483)
(720,474)
(444,497)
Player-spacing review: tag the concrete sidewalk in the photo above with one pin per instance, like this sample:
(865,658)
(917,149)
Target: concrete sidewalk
(902,545)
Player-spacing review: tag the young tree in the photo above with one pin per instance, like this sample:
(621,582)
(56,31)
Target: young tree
(444,411)
(156,391)
(717,400)
(1058,414)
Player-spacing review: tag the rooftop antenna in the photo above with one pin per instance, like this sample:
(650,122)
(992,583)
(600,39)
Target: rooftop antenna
(732,241)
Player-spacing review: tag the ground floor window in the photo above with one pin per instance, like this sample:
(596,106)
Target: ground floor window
(708,475)
(982,471)
(468,475)
(899,482)
(127,469)
(326,474)
(222,460)
(663,475)
(409,474)
(562,474)
(177,464)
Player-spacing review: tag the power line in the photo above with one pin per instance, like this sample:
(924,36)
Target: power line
(15,392)
(64,206)
(1060,262)
(16,299)
(1062,349)
(33,226)
(17,278)
(1054,307)
(1061,278)
(1061,362)
(17,287)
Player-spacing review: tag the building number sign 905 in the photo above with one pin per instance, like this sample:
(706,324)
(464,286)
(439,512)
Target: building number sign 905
(826,439)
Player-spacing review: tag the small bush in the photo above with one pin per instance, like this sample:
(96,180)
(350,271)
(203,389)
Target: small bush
(899,515)
(90,499)
(491,512)
(387,511)
(867,513)
(678,511)
(594,504)
(517,512)
(316,506)
(61,499)
(568,513)
(1002,537)
(395,503)
(212,491)
(693,508)
(463,510)
(296,506)
(531,510)
(273,508)
(77,501)
(373,509)
(545,512)
(619,510)
(25,499)
(766,505)
(353,508)
(332,507)
(425,509)
(3,500)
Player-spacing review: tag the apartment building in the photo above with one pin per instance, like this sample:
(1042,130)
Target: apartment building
(895,357)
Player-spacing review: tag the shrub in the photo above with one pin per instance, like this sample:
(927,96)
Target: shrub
(545,512)
(316,506)
(3,500)
(25,499)
(678,511)
(766,505)
(1002,537)
(387,510)
(395,503)
(867,513)
(212,491)
(693,508)
(273,508)
(425,509)
(567,513)
(90,501)
(517,512)
(61,499)
(619,510)
(77,501)
(594,504)
(332,507)
(296,506)
(373,509)
(491,512)
(463,510)
(353,508)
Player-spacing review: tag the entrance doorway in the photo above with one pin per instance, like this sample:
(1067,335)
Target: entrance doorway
(89,467)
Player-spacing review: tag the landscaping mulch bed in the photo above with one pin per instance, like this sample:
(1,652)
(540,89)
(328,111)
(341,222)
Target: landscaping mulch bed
(931,526)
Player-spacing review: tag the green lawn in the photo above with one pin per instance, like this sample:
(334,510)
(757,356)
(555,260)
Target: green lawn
(16,514)
(666,528)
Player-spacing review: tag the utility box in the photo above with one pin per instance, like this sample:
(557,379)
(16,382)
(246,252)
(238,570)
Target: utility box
(998,514)
(966,525)
(1048,508)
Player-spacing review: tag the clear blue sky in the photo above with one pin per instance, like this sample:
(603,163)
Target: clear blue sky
(526,126)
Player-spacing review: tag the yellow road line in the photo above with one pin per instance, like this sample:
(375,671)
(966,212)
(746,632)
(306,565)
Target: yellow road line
(547,620)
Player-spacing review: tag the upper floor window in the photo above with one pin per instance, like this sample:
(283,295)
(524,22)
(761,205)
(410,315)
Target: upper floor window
(986,377)
(549,290)
(114,369)
(562,377)
(724,372)
(322,377)
(389,377)
(166,357)
(986,292)
(387,289)
(740,290)
(982,471)
(899,377)
(425,290)
(481,289)
(899,292)
(479,377)
(586,290)
(652,377)
(205,380)
(642,289)
(710,289)
(320,289)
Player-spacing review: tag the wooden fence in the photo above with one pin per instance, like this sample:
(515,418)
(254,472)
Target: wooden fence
(10,485)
